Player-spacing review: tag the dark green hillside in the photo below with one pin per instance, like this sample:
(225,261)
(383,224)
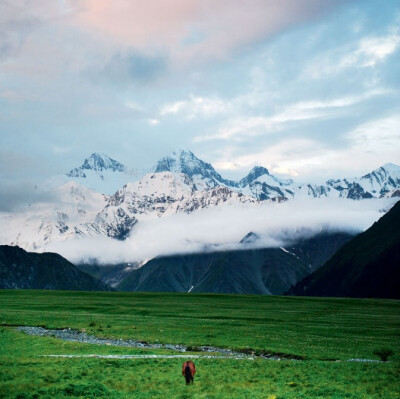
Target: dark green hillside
(111,274)
(367,266)
(258,271)
(317,250)
(21,269)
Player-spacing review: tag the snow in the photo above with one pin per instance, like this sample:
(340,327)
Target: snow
(103,174)
(392,169)
(42,223)
(112,198)
(108,182)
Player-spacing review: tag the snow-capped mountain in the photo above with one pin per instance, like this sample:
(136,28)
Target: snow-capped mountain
(181,183)
(260,184)
(203,174)
(103,174)
(156,195)
(72,207)
(381,182)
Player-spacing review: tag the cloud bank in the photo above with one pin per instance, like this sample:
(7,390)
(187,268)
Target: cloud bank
(222,228)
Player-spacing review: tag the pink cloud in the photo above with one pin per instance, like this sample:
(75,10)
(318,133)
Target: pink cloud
(193,29)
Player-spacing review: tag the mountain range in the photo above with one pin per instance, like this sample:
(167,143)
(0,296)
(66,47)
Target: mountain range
(246,271)
(366,265)
(86,204)
(258,183)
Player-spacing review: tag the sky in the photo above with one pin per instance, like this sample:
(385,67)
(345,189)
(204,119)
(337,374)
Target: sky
(307,88)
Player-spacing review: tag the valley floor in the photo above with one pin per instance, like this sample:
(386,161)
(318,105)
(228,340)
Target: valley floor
(325,332)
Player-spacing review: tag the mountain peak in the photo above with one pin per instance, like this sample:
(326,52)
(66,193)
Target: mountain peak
(99,162)
(250,238)
(184,161)
(254,174)
(387,171)
(392,168)
(177,160)
(101,173)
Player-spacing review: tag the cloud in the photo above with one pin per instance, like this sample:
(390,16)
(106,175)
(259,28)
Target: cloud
(371,51)
(289,156)
(197,106)
(222,228)
(377,135)
(252,126)
(194,30)
(365,147)
(134,66)
(19,18)
(17,196)
(368,52)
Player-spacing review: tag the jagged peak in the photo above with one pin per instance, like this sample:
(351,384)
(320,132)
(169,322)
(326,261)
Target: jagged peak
(388,168)
(249,238)
(100,161)
(257,171)
(97,162)
(177,159)
(254,174)
(392,168)
(184,161)
(181,151)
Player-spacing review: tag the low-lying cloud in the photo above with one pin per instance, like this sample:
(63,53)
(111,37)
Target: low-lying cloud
(222,228)
(17,196)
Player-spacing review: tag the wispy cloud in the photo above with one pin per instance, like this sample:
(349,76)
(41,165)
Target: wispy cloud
(197,106)
(288,156)
(360,151)
(377,136)
(244,127)
(371,51)
(366,53)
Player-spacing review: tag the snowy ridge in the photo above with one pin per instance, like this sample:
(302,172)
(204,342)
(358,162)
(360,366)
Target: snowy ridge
(103,174)
(42,224)
(161,194)
(182,183)
(261,185)
(203,174)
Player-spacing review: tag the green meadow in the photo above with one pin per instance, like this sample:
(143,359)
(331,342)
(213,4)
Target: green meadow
(325,332)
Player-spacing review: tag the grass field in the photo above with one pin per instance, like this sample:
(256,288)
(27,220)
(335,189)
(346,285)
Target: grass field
(326,332)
